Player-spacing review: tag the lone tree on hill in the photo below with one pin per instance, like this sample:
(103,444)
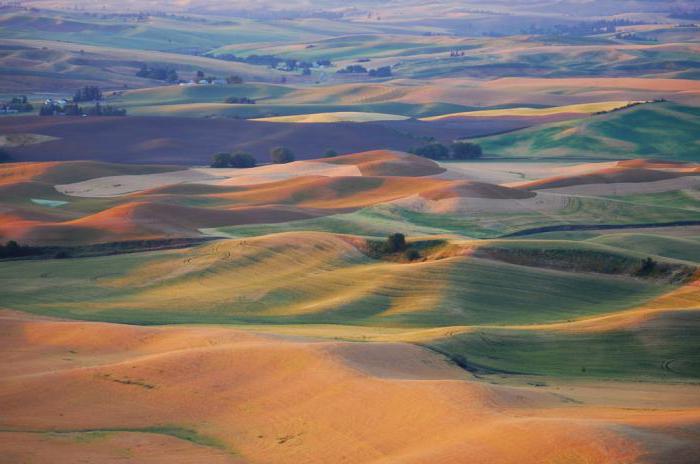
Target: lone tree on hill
(466,150)
(243,160)
(281,155)
(221,160)
(395,242)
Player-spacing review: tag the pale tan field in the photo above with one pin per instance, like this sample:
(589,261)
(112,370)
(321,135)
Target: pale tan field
(254,398)
(579,109)
(547,91)
(346,116)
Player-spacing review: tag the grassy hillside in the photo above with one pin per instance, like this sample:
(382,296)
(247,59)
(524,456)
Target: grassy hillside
(271,100)
(383,219)
(313,278)
(661,348)
(663,130)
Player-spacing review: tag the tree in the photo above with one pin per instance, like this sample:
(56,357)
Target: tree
(13,249)
(647,266)
(466,150)
(72,109)
(221,160)
(395,242)
(88,93)
(436,151)
(384,71)
(353,69)
(243,160)
(281,155)
(234,79)
(330,154)
(240,100)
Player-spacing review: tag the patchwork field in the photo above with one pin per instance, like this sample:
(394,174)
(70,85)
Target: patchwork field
(569,335)
(350,232)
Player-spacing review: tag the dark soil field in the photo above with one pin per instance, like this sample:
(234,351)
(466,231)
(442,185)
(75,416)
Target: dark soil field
(136,139)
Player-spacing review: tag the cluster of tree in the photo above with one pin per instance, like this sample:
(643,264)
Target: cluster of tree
(200,76)
(646,267)
(281,155)
(88,93)
(393,245)
(138,17)
(16,104)
(458,151)
(104,110)
(288,64)
(454,53)
(384,71)
(580,29)
(157,73)
(12,249)
(51,108)
(240,100)
(236,160)
(634,37)
(353,69)
(278,155)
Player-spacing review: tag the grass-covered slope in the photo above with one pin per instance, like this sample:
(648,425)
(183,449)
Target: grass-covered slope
(321,278)
(663,130)
(661,348)
(381,220)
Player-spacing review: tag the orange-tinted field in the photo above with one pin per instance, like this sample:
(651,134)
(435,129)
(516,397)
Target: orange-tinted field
(93,389)
(164,211)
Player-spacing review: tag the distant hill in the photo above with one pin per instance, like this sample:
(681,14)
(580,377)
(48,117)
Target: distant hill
(661,130)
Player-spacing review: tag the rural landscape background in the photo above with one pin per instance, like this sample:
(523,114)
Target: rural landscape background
(350,232)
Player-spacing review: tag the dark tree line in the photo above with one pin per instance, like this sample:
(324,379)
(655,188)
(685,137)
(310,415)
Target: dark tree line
(19,104)
(278,155)
(240,100)
(290,64)
(236,160)
(157,73)
(88,93)
(51,108)
(457,151)
(12,249)
(384,71)
(281,155)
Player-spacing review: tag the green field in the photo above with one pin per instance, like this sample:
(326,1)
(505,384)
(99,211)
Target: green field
(271,100)
(663,130)
(381,220)
(314,282)
(664,348)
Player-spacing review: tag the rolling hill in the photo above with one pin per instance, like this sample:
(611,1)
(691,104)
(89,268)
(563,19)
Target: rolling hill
(661,130)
